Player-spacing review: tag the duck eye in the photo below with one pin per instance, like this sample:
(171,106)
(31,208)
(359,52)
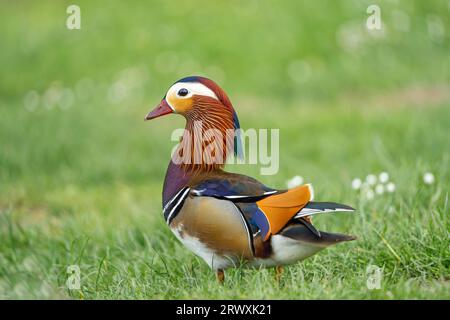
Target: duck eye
(183,92)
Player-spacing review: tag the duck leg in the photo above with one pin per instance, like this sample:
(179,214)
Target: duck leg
(278,272)
(220,275)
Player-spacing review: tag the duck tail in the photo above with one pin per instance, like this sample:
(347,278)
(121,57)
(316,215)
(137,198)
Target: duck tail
(314,207)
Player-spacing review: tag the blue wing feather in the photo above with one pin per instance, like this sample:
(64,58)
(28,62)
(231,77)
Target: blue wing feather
(244,192)
(232,190)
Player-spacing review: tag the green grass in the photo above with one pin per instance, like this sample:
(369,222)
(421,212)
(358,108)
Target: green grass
(81,184)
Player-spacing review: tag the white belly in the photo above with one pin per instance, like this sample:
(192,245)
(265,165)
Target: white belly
(285,251)
(214,260)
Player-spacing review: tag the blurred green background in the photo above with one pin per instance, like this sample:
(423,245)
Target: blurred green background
(81,173)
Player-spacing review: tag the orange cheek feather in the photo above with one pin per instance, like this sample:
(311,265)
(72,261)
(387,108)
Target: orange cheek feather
(180,105)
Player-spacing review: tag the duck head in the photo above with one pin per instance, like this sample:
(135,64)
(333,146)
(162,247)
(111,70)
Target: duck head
(209,114)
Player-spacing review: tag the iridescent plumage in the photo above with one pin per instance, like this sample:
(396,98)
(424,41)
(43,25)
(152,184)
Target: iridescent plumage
(229,218)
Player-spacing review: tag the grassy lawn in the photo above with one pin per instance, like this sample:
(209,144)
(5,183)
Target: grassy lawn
(81,173)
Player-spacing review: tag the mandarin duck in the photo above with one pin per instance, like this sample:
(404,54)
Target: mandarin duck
(226,218)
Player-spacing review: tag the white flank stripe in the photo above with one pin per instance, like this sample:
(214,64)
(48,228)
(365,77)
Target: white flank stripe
(171,200)
(178,203)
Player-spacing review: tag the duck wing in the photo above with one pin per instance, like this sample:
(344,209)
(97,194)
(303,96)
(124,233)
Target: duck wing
(265,209)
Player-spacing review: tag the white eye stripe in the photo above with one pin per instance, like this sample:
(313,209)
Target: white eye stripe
(194,88)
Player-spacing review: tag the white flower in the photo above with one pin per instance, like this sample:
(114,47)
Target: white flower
(383,177)
(379,189)
(356,183)
(294,182)
(428,178)
(390,187)
(369,194)
(371,179)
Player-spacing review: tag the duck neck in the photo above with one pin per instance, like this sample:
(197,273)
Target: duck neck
(207,140)
(176,178)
